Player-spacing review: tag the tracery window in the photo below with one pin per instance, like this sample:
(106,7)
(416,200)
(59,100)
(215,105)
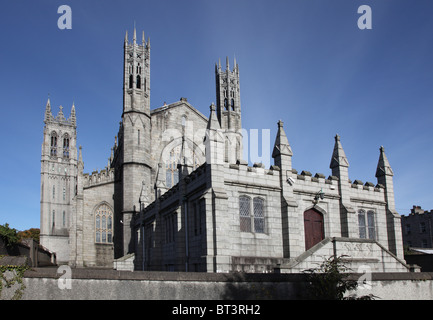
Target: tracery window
(104,224)
(252,214)
(366,224)
(171,171)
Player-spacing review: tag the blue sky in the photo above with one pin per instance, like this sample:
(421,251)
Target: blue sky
(305,62)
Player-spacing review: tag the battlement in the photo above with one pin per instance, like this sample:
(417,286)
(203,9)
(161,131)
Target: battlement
(98,177)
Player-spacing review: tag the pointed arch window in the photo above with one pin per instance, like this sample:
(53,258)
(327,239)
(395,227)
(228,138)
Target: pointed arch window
(66,146)
(171,170)
(233,104)
(138,82)
(53,144)
(104,224)
(131,80)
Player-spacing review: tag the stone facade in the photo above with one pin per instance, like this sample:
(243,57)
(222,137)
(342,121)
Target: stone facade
(417,228)
(176,194)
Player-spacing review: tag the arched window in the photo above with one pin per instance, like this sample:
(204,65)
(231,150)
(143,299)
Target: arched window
(66,146)
(53,145)
(171,171)
(233,104)
(131,80)
(366,224)
(138,82)
(225,103)
(104,224)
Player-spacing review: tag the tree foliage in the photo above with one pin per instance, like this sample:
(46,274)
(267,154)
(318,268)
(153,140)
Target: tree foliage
(329,281)
(8,234)
(30,233)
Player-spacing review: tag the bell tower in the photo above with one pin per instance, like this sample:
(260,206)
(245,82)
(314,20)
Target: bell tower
(136,75)
(134,133)
(229,109)
(58,180)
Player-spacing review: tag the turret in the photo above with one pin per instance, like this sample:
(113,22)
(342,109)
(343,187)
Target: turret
(340,169)
(384,175)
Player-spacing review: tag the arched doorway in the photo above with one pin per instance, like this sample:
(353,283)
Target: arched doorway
(313,228)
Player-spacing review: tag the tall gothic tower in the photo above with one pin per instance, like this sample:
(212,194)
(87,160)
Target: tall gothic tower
(229,109)
(58,180)
(134,135)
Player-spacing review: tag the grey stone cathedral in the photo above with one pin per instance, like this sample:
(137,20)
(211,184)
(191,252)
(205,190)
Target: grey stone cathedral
(176,194)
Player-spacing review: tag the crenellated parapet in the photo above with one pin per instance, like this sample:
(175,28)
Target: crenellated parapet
(97,178)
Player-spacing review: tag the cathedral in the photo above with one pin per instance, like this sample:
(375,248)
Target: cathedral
(176,194)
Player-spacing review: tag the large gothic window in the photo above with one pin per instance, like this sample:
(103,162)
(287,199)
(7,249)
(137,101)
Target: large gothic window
(104,224)
(171,171)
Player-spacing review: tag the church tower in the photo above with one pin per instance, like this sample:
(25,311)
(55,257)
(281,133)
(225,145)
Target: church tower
(229,109)
(134,135)
(58,180)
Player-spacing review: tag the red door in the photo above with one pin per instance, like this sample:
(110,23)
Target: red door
(313,227)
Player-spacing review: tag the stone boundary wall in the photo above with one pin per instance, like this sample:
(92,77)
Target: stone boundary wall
(95,284)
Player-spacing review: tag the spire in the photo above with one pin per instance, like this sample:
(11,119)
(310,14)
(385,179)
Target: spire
(281,146)
(227,63)
(134,38)
(60,116)
(73,118)
(214,140)
(338,156)
(160,186)
(80,160)
(126,37)
(185,162)
(143,39)
(48,114)
(148,43)
(213,123)
(383,167)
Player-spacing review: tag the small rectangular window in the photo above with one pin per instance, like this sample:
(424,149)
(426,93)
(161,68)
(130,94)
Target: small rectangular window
(259,217)
(244,212)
